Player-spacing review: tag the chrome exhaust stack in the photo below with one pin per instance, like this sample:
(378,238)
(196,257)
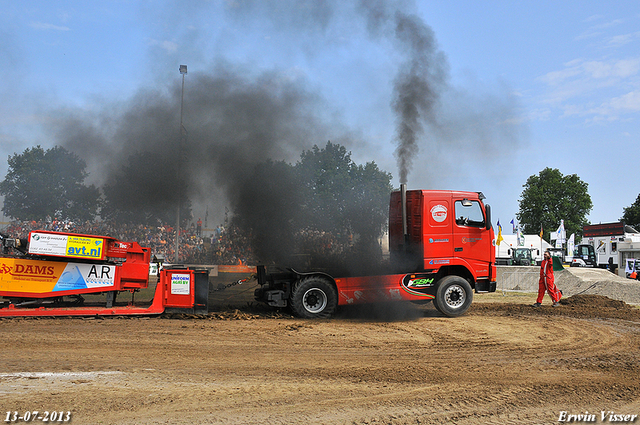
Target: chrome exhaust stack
(405,225)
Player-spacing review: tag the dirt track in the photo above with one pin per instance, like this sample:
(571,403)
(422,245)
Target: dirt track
(501,363)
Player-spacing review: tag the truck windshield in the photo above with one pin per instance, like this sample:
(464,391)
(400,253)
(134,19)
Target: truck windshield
(469,215)
(580,251)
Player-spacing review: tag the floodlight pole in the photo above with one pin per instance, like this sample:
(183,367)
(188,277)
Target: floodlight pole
(183,71)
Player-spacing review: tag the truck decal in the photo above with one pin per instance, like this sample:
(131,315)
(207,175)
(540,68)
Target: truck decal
(439,261)
(415,283)
(439,213)
(420,294)
(418,284)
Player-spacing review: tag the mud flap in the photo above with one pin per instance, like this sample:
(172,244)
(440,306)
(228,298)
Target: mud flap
(485,286)
(201,289)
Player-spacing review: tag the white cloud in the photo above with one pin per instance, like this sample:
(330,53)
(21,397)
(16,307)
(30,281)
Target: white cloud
(623,68)
(593,18)
(618,69)
(628,102)
(44,26)
(598,90)
(557,77)
(620,40)
(609,24)
(580,77)
(588,34)
(168,46)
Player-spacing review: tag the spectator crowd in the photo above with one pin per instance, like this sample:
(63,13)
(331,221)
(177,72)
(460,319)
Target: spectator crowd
(225,245)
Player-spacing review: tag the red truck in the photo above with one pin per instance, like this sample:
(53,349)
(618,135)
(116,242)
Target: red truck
(441,247)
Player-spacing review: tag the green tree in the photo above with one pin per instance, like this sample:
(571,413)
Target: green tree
(631,214)
(344,198)
(48,182)
(286,206)
(550,197)
(342,195)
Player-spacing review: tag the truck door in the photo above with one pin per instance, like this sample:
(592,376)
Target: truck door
(471,240)
(437,236)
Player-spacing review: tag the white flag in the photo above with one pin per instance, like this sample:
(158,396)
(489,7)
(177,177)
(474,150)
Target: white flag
(561,235)
(520,237)
(571,244)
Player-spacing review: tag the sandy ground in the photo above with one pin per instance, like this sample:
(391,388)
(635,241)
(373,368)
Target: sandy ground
(503,362)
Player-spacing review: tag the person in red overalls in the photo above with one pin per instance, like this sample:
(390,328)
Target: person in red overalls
(547,282)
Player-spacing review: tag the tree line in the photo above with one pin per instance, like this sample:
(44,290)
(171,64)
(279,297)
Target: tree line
(324,190)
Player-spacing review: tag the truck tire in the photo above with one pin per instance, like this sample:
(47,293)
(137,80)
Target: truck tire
(453,296)
(313,298)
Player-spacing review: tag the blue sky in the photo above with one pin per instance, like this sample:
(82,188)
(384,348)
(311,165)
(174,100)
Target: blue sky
(529,84)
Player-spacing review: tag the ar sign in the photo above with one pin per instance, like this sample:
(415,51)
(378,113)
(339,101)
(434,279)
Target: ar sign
(81,276)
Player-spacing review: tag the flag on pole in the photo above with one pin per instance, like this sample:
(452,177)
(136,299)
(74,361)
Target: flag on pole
(499,238)
(513,224)
(541,232)
(571,244)
(520,237)
(561,235)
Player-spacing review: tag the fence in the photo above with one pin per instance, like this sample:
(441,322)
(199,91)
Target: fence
(518,279)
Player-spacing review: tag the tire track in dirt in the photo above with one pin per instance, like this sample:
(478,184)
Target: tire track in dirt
(499,364)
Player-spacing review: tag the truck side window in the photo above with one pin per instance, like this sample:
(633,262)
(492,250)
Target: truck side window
(469,215)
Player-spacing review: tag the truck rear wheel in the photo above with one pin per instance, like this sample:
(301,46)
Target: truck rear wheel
(453,296)
(314,297)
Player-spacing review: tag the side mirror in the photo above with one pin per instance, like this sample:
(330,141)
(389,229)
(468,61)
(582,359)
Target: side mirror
(487,213)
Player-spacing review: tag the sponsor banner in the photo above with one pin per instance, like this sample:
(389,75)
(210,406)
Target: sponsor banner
(66,245)
(38,277)
(180,284)
(47,243)
(82,276)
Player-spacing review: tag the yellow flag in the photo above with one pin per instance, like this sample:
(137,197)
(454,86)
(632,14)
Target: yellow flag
(499,238)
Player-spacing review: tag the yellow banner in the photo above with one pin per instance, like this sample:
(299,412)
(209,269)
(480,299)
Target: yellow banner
(85,247)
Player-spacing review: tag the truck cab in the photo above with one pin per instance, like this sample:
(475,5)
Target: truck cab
(441,251)
(522,257)
(442,228)
(584,255)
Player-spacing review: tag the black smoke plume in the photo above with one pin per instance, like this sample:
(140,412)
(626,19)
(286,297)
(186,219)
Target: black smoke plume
(236,118)
(420,79)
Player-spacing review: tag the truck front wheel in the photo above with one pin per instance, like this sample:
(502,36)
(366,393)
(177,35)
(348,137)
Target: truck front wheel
(314,297)
(453,296)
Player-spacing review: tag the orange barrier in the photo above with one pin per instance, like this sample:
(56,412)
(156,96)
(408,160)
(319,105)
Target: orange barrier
(236,269)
